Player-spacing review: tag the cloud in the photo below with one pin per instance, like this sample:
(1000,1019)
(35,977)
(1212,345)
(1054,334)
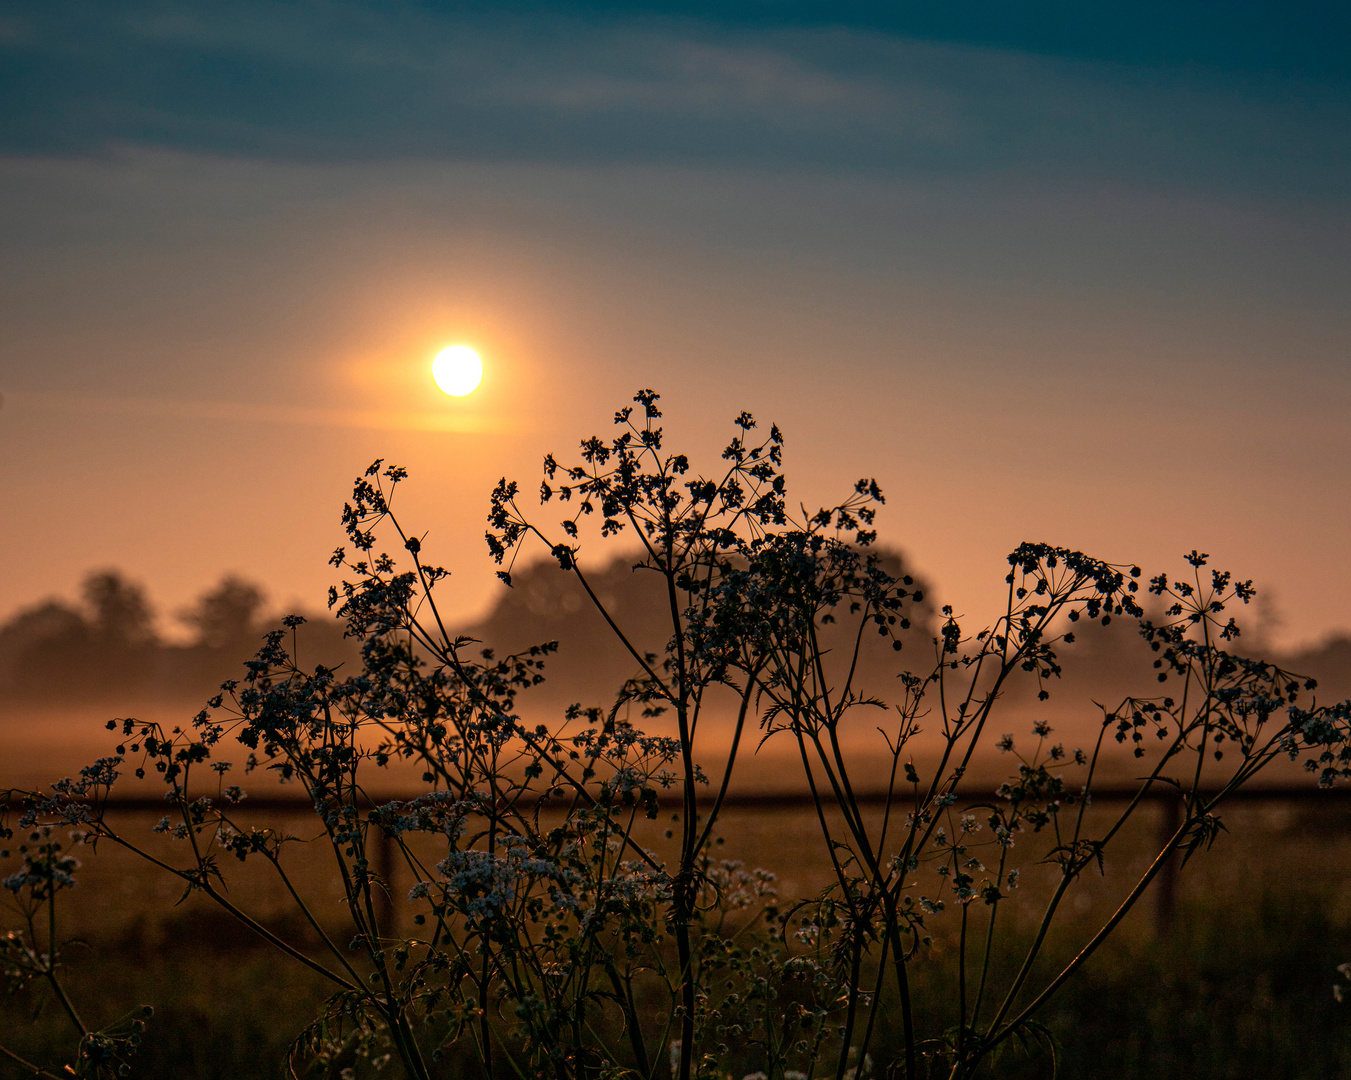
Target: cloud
(280,415)
(674,85)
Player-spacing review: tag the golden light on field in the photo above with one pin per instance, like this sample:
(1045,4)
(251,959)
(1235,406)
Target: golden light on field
(457,370)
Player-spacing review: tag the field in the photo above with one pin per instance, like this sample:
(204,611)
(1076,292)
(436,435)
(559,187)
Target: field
(1235,981)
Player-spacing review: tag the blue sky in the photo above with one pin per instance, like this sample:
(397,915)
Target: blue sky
(1249,99)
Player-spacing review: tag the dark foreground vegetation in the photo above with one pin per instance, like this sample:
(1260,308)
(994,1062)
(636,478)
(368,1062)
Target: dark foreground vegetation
(580,897)
(1239,985)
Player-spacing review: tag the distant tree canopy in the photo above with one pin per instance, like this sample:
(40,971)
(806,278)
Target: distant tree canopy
(119,617)
(227,616)
(545,602)
(106,644)
(106,647)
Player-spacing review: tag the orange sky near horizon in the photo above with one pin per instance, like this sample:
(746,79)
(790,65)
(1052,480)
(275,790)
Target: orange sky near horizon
(200,354)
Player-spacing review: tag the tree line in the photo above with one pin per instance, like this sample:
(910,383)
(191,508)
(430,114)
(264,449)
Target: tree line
(107,643)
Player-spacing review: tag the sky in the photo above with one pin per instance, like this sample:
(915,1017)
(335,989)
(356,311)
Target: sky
(1053,272)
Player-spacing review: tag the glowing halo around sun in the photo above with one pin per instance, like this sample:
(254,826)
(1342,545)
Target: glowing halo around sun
(457,370)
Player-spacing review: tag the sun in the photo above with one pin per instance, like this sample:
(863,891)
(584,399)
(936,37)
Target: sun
(457,370)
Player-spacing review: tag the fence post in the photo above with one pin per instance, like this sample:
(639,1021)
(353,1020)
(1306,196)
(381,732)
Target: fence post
(385,866)
(1165,884)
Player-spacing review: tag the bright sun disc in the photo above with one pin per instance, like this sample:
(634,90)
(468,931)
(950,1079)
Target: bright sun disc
(457,370)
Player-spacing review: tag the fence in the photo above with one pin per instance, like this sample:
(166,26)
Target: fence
(1166,799)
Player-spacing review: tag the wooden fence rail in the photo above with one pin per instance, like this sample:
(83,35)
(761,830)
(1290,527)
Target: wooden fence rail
(1165,886)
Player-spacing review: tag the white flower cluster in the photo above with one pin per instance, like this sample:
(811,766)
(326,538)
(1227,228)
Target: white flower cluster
(485,884)
(44,875)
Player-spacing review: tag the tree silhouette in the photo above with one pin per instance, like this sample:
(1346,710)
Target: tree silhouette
(120,616)
(227,617)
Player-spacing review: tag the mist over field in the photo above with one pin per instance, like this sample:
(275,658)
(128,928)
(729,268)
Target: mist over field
(67,667)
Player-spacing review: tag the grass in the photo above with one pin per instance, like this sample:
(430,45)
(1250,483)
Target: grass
(224,1009)
(1239,991)
(1239,986)
(1235,993)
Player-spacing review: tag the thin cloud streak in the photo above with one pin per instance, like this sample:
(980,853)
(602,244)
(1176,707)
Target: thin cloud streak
(251,413)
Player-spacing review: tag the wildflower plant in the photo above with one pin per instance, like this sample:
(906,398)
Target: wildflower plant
(34,953)
(548,936)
